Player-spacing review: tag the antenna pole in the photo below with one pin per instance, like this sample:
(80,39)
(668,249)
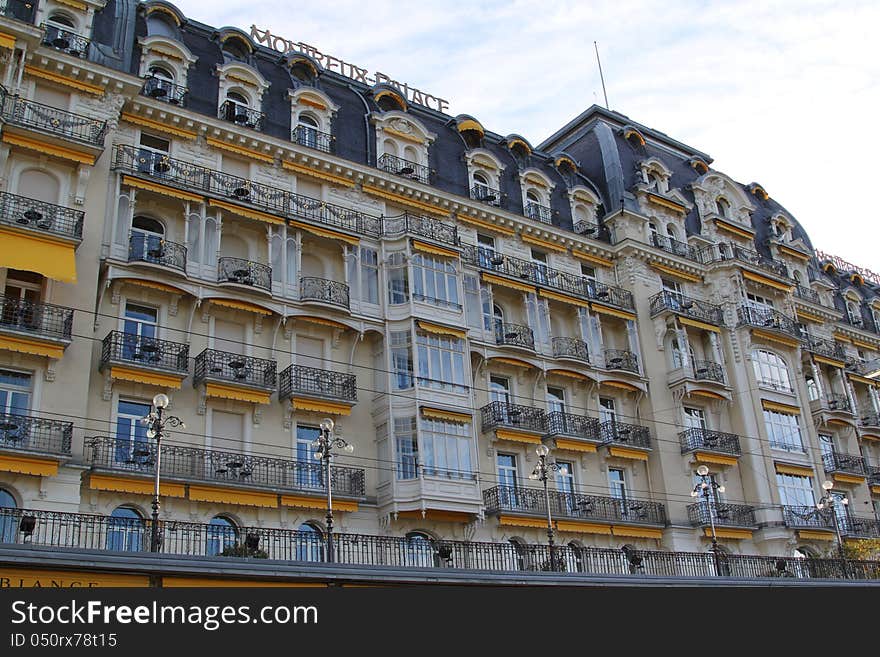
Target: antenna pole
(601,76)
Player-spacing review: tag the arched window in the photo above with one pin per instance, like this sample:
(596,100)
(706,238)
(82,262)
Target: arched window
(158,25)
(235,48)
(771,370)
(237,108)
(419,550)
(307,131)
(533,206)
(8,517)
(160,84)
(162,73)
(221,534)
(482,190)
(147,239)
(722,207)
(854,313)
(61,34)
(654,182)
(125,530)
(309,543)
(61,20)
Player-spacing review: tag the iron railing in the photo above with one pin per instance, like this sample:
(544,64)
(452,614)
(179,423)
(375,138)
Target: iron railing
(859,526)
(487,195)
(244,272)
(34,434)
(420,226)
(571,348)
(156,251)
(406,168)
(870,420)
(42,319)
(676,247)
(845,463)
(609,294)
(807,294)
(219,466)
(621,359)
(728,251)
(235,368)
(685,305)
(174,94)
(823,347)
(306,135)
(515,416)
(151,353)
(538,212)
(578,426)
(706,370)
(182,174)
(874,475)
(768,318)
(587,228)
(29,114)
(808,517)
(241,115)
(334,293)
(41,217)
(514,335)
(22,10)
(629,435)
(696,439)
(299,380)
(837,402)
(863,367)
(67,41)
(722,514)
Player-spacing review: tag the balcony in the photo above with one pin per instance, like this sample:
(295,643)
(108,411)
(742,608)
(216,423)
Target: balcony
(807,517)
(52,121)
(866,368)
(22,10)
(768,319)
(680,304)
(154,250)
(704,514)
(870,420)
(241,191)
(837,402)
(807,294)
(168,92)
(66,41)
(874,475)
(726,251)
(538,212)
(675,247)
(244,272)
(828,348)
(571,349)
(222,366)
(705,440)
(706,370)
(21,433)
(859,527)
(321,290)
(145,353)
(838,463)
(420,226)
(308,136)
(504,415)
(621,359)
(302,381)
(514,335)
(587,228)
(625,435)
(533,502)
(241,115)
(487,195)
(560,424)
(41,218)
(220,468)
(405,168)
(41,320)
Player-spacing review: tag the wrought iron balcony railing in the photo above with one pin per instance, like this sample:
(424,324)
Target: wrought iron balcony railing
(870,420)
(220,467)
(244,272)
(836,402)
(41,217)
(299,380)
(767,318)
(578,426)
(728,251)
(532,501)
(676,247)
(22,10)
(324,291)
(807,517)
(487,195)
(684,305)
(34,434)
(42,319)
(241,115)
(174,94)
(807,294)
(621,359)
(235,368)
(859,527)
(706,370)
(156,251)
(874,475)
(514,335)
(587,228)
(628,435)
(406,168)
(571,348)
(513,416)
(420,226)
(722,514)
(696,439)
(67,41)
(58,122)
(844,463)
(538,212)
(863,367)
(150,353)
(829,348)
(305,135)
(608,294)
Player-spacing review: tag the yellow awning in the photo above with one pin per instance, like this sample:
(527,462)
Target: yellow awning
(829,361)
(315,406)
(151,284)
(442,414)
(769,282)
(220,391)
(808,316)
(676,273)
(28,465)
(627,453)
(687,321)
(240,150)
(470,124)
(424,247)
(613,312)
(136,486)
(589,257)
(29,346)
(161,126)
(323,232)
(516,362)
(7,41)
(36,253)
(318,320)
(706,393)
(816,536)
(486,225)
(39,145)
(772,337)
(247,212)
(164,190)
(794,253)
(317,503)
(576,527)
(637,532)
(545,244)
(159,379)
(782,408)
(736,534)
(575,445)
(439,329)
(233,496)
(798,470)
(240,305)
(517,437)
(503,282)
(623,385)
(569,373)
(849,479)
(718,459)
(513,521)
(564,298)
(736,230)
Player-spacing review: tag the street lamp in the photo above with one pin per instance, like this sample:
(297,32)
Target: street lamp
(829,501)
(323,446)
(157,421)
(540,473)
(708,489)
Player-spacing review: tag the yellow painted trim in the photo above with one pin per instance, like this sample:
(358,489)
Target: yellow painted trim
(158,125)
(562,158)
(772,337)
(735,534)
(687,321)
(816,536)
(36,144)
(315,406)
(233,496)
(841,423)
(564,298)
(840,337)
(220,391)
(808,316)
(707,393)
(239,305)
(870,436)
(513,142)
(135,486)
(569,373)
(875,490)
(448,416)
(637,532)
(769,282)
(470,124)
(319,503)
(863,345)
(735,230)
(828,361)
(163,10)
(666,203)
(798,470)
(76,4)
(516,362)
(28,465)
(75,579)
(512,521)
(576,527)
(575,445)
(848,479)
(437,514)
(441,330)
(30,346)
(613,312)
(862,379)
(621,384)
(516,437)
(246,212)
(514,285)
(306,171)
(424,247)
(403,135)
(319,320)
(487,225)
(161,189)
(627,453)
(240,150)
(203,582)
(312,103)
(768,405)
(7,41)
(324,232)
(401,101)
(589,257)
(704,457)
(693,278)
(149,378)
(404,200)
(64,80)
(794,253)
(151,284)
(552,246)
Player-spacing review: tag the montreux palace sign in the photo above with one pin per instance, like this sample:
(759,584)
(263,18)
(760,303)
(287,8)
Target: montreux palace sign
(411,94)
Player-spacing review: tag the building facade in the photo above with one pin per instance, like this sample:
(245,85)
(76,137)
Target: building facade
(270,243)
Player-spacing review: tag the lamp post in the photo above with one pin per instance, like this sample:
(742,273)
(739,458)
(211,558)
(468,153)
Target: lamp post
(541,473)
(323,446)
(829,501)
(707,489)
(157,421)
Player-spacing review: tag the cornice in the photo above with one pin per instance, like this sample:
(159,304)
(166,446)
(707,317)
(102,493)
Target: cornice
(83,71)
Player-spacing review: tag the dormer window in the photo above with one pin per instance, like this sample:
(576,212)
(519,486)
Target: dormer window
(654,183)
(307,131)
(235,49)
(61,34)
(854,313)
(722,207)
(158,25)
(482,190)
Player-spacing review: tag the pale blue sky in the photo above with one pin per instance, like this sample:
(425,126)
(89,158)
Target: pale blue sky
(782,93)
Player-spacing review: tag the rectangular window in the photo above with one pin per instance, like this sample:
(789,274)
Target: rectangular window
(555,400)
(308,469)
(369,275)
(446,449)
(472,304)
(783,430)
(15,399)
(565,477)
(486,250)
(759,302)
(434,280)
(795,490)
(507,470)
(398,286)
(441,362)
(155,144)
(606,410)
(140,327)
(401,360)
(407,447)
(694,418)
(617,483)
(132,447)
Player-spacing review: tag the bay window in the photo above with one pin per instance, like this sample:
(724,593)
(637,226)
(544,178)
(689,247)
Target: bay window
(434,280)
(441,362)
(446,449)
(783,430)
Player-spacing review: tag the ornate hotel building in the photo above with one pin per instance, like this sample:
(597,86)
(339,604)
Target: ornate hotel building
(270,242)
